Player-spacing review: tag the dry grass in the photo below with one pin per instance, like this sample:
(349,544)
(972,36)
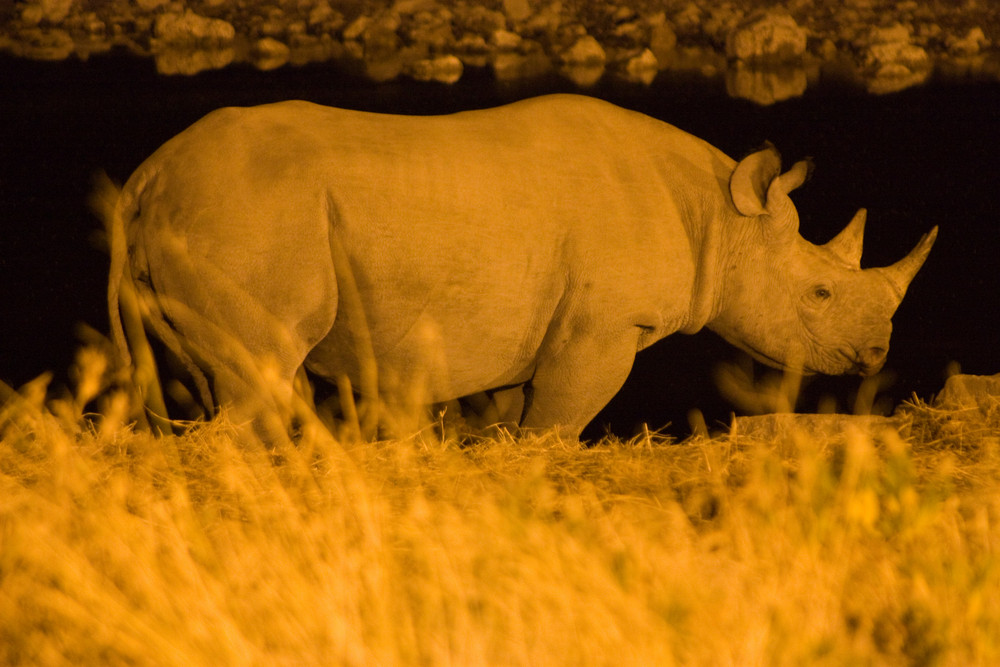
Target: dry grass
(120,548)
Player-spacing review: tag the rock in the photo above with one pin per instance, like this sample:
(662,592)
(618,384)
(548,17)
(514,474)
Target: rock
(516,10)
(970,45)
(445,69)
(624,15)
(504,40)
(150,5)
(892,61)
(408,7)
(547,20)
(275,25)
(480,21)
(721,22)
(190,29)
(893,46)
(54,11)
(431,29)
(32,15)
(970,392)
(767,37)
(688,20)
(925,32)
(356,28)
(662,39)
(44,44)
(189,61)
(827,51)
(585,51)
(472,45)
(321,13)
(378,35)
(92,24)
(825,428)
(642,68)
(631,33)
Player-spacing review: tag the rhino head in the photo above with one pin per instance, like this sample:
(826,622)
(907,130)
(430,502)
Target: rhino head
(798,306)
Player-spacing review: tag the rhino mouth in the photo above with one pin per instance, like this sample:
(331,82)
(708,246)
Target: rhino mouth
(865,370)
(775,363)
(856,364)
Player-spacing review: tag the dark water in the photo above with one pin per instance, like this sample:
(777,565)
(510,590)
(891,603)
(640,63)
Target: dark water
(915,159)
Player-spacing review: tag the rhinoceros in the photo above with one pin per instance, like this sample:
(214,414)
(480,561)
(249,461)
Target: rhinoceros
(527,251)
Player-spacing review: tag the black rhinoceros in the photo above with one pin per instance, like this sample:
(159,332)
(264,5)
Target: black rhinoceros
(530,250)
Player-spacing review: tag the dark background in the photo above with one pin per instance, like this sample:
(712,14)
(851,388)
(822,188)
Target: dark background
(918,158)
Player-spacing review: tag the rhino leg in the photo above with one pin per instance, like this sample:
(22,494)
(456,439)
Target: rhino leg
(572,383)
(495,408)
(509,404)
(251,345)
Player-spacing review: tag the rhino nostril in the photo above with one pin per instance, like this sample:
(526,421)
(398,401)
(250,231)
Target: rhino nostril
(872,356)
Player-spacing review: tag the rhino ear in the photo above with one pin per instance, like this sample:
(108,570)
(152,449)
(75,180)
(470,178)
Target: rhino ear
(783,219)
(847,244)
(752,178)
(796,176)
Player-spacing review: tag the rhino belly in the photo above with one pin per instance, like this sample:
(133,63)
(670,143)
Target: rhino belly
(434,355)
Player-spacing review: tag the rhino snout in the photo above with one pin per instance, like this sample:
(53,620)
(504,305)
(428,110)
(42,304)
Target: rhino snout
(870,360)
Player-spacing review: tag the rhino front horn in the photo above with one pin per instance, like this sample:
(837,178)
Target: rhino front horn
(902,272)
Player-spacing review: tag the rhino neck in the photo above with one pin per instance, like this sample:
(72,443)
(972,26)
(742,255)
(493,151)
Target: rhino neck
(743,291)
(711,250)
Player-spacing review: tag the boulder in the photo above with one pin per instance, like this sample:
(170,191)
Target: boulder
(504,40)
(970,392)
(891,59)
(444,69)
(585,51)
(642,68)
(893,46)
(970,45)
(191,29)
(767,37)
(517,10)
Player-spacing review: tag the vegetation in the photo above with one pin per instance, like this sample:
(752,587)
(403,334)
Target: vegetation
(120,548)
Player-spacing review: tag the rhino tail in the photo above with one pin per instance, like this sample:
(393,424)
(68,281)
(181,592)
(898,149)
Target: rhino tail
(128,337)
(107,201)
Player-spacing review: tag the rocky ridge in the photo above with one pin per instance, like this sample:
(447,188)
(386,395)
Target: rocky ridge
(766,51)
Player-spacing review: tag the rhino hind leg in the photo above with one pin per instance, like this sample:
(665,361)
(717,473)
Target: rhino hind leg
(494,409)
(251,353)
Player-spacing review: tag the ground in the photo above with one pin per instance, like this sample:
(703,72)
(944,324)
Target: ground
(874,545)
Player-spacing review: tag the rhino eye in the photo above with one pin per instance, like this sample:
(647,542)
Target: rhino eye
(822,293)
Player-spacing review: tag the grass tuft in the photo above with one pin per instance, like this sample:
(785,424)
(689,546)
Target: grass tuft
(120,548)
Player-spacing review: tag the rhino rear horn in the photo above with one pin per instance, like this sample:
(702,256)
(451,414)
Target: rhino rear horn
(902,272)
(751,179)
(847,244)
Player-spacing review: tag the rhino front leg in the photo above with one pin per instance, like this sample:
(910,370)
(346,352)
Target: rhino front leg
(572,383)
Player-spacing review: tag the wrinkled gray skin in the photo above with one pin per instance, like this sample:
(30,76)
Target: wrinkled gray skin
(531,249)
